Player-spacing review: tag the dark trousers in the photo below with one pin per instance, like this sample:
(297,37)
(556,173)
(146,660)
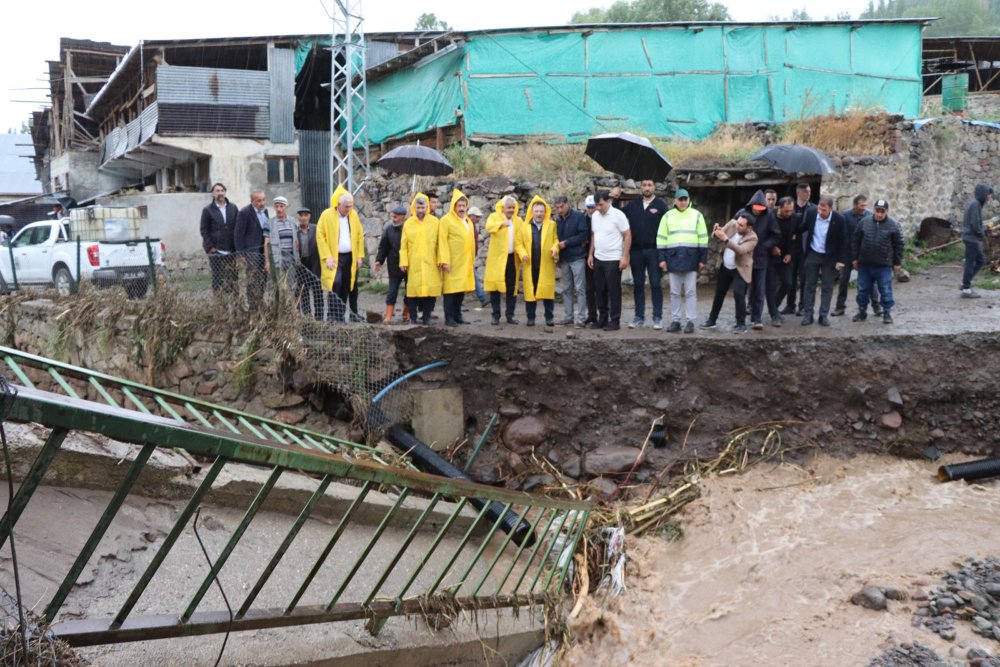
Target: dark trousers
(646,262)
(256,278)
(223,268)
(591,290)
(870,275)
(782,281)
(310,292)
(974,260)
(608,284)
(510,280)
(423,304)
(339,295)
(548,305)
(844,283)
(817,267)
(759,295)
(352,298)
(794,294)
(725,279)
(393,294)
(453,307)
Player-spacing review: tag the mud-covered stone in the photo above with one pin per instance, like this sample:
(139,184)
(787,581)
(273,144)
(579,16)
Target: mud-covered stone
(525,433)
(870,597)
(611,459)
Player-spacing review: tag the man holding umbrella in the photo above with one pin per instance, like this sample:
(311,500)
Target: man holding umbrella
(644,220)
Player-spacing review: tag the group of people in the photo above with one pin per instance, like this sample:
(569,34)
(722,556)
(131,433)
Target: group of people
(773,256)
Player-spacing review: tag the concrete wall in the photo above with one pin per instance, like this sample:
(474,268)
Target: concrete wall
(78,172)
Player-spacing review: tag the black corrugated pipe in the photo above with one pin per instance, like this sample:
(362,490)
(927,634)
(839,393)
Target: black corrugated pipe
(970,470)
(428,460)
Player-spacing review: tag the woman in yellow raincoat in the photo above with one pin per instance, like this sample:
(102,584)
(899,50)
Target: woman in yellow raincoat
(504,257)
(341,251)
(541,243)
(459,233)
(423,254)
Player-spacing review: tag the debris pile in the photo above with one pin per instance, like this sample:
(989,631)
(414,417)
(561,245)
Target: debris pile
(970,594)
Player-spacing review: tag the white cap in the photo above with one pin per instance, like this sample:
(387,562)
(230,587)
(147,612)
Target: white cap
(475,211)
(280,200)
(590,203)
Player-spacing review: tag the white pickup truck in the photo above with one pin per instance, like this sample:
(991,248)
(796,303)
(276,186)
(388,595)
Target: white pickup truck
(45,253)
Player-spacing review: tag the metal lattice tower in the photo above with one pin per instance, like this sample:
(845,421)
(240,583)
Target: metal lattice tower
(349,155)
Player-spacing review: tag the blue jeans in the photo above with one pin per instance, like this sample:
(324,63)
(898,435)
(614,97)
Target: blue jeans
(646,262)
(393,293)
(869,274)
(480,292)
(974,260)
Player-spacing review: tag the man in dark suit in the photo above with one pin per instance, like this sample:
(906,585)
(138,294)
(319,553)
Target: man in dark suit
(218,224)
(826,249)
(803,191)
(249,243)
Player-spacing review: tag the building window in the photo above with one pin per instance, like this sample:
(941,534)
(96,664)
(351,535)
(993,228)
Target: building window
(282,169)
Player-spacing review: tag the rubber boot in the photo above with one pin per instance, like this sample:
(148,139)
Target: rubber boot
(387,318)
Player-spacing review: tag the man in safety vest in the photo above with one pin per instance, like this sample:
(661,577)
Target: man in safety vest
(682,243)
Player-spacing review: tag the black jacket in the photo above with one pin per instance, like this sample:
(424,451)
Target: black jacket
(216,231)
(388,249)
(878,243)
(574,229)
(838,244)
(644,222)
(853,221)
(972,222)
(249,237)
(788,238)
(765,226)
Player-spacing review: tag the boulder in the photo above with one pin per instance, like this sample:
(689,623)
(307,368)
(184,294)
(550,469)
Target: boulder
(283,401)
(611,459)
(524,433)
(891,420)
(870,597)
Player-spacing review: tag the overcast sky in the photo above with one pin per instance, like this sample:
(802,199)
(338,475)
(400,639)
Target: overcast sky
(32,29)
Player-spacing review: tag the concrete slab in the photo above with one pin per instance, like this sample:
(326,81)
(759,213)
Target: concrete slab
(438,416)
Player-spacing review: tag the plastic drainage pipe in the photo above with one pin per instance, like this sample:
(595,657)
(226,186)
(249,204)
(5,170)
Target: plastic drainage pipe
(428,460)
(970,470)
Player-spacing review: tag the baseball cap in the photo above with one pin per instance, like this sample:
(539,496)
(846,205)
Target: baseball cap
(475,211)
(398,210)
(882,204)
(590,203)
(304,210)
(682,194)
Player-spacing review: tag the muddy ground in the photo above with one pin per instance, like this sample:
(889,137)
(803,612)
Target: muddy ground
(830,386)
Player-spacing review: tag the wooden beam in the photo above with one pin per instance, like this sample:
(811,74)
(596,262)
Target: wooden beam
(975,63)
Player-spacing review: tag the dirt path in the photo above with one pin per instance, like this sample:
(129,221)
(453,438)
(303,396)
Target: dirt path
(770,559)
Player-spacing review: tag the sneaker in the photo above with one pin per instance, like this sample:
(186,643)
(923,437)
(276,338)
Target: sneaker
(689,327)
(877,309)
(777,320)
(756,325)
(636,323)
(580,325)
(567,321)
(838,311)
(707,324)
(675,327)
(495,321)
(657,323)
(807,320)
(886,318)
(530,322)
(824,321)
(740,329)
(860,317)
(550,323)
(971,294)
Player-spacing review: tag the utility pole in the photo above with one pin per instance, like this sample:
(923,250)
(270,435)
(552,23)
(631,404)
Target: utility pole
(348,93)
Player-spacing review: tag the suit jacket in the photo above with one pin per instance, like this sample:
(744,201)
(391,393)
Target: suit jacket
(249,237)
(217,231)
(838,244)
(309,256)
(743,249)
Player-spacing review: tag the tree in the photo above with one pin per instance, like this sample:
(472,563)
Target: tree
(642,11)
(957,17)
(431,22)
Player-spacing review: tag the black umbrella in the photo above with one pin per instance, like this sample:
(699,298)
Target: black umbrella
(796,159)
(415,160)
(628,155)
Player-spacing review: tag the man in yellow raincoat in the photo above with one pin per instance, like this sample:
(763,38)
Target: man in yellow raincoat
(540,241)
(341,242)
(423,254)
(504,257)
(459,233)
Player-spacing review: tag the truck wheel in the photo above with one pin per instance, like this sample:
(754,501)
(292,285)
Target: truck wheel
(63,279)
(136,289)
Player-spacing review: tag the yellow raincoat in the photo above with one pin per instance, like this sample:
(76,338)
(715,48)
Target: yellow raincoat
(546,287)
(423,247)
(460,236)
(328,240)
(494,279)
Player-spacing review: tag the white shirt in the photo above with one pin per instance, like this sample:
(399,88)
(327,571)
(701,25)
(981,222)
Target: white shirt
(345,236)
(510,236)
(822,228)
(222,212)
(609,244)
(729,255)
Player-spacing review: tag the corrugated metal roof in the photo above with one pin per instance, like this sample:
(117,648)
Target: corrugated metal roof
(17,171)
(281,68)
(314,170)
(208,85)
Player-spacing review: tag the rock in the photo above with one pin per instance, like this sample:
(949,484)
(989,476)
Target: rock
(206,389)
(937,434)
(508,409)
(301,384)
(535,481)
(947,634)
(571,467)
(604,486)
(485,473)
(891,420)
(662,404)
(610,460)
(571,334)
(892,593)
(870,597)
(291,417)
(525,433)
(282,401)
(903,276)
(895,399)
(181,370)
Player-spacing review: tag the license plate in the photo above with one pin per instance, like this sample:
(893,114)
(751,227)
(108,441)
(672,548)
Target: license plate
(128,275)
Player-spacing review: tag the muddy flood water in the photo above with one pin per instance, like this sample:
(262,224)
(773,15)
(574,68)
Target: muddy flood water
(770,559)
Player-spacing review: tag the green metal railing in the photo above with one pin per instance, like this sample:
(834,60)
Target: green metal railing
(470,563)
(77,382)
